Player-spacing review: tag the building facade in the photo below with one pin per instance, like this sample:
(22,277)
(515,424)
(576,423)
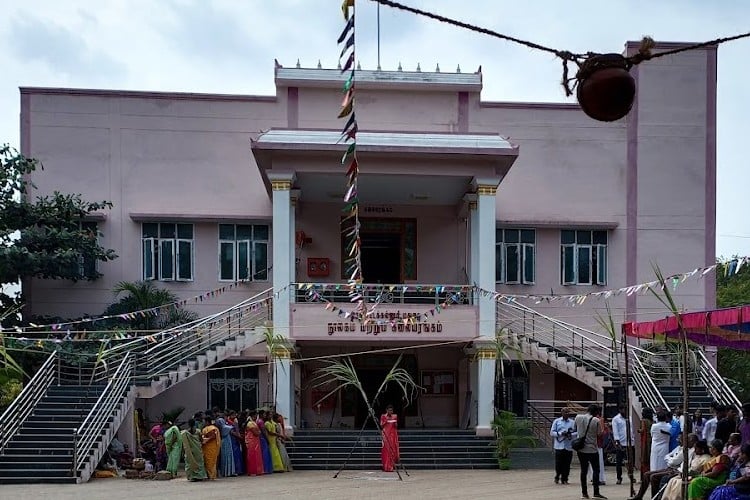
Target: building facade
(456,193)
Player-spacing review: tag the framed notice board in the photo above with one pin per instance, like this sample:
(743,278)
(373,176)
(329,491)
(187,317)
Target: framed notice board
(439,382)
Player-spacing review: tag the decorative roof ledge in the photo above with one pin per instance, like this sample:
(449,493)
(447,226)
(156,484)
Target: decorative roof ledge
(379,79)
(382,142)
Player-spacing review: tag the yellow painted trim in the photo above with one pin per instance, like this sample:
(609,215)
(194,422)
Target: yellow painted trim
(281,185)
(486,189)
(486,353)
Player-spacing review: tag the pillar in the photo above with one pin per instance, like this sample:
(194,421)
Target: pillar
(284,380)
(486,358)
(283,251)
(483,225)
(283,265)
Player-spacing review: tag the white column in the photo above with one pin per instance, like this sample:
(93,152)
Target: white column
(473,272)
(283,245)
(483,234)
(486,358)
(283,255)
(285,390)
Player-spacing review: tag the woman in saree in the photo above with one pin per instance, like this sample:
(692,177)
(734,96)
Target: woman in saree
(281,442)
(714,473)
(264,449)
(254,457)
(389,453)
(191,446)
(737,486)
(273,447)
(647,420)
(236,437)
(157,437)
(211,444)
(226,461)
(673,489)
(173,446)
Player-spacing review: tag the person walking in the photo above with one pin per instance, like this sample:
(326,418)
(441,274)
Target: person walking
(589,428)
(564,431)
(622,434)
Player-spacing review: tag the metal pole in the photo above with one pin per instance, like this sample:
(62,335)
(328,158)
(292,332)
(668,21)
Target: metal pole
(378,37)
(628,423)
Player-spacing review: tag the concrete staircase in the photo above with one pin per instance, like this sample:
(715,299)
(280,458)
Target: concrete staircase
(42,451)
(149,387)
(327,449)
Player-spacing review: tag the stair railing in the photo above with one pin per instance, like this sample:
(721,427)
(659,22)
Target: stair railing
(95,423)
(714,383)
(176,346)
(644,384)
(23,406)
(591,349)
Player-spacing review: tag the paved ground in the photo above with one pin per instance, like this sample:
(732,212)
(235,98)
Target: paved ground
(515,484)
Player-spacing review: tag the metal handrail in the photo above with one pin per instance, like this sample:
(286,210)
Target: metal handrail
(24,404)
(645,385)
(90,430)
(715,384)
(570,340)
(386,293)
(202,336)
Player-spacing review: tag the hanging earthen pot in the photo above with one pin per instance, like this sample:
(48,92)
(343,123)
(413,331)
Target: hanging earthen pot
(606,89)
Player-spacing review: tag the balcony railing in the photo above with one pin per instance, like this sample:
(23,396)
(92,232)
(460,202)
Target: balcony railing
(427,294)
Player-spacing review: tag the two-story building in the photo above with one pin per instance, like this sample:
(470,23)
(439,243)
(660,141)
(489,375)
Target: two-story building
(456,192)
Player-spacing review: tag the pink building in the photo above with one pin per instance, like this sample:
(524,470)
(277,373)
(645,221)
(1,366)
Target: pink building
(521,198)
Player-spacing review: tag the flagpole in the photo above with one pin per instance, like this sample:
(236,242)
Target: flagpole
(378,37)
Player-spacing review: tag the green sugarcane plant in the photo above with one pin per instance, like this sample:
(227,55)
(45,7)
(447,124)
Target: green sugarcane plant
(666,298)
(506,348)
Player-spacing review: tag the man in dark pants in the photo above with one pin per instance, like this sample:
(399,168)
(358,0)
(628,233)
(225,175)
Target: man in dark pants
(589,427)
(621,430)
(563,431)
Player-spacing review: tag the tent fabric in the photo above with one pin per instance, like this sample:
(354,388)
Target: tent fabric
(720,328)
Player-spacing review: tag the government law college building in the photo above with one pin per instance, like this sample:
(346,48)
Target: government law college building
(461,199)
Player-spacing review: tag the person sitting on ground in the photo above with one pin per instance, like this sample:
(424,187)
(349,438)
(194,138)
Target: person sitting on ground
(732,449)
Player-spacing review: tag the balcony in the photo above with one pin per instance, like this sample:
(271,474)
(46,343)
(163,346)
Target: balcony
(402,312)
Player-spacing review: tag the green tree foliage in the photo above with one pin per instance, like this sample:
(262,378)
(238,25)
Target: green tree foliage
(140,295)
(734,365)
(43,236)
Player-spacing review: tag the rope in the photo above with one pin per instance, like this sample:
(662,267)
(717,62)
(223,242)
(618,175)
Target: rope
(644,53)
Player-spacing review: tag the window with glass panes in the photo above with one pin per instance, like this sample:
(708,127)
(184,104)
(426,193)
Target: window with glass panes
(515,253)
(583,257)
(167,249)
(243,252)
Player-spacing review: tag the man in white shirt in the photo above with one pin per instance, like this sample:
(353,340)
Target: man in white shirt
(709,430)
(621,427)
(563,431)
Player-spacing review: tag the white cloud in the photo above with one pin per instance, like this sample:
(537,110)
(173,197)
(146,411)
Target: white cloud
(229,46)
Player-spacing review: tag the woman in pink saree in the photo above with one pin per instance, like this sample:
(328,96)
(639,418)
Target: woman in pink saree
(254,458)
(389,454)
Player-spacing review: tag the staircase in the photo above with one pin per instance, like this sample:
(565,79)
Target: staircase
(41,450)
(59,427)
(327,449)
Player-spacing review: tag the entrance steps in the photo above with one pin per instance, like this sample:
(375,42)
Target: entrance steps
(327,449)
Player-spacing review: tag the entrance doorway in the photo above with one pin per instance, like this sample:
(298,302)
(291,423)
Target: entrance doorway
(391,395)
(381,257)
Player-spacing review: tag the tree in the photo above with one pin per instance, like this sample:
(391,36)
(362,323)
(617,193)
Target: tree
(142,295)
(731,291)
(44,236)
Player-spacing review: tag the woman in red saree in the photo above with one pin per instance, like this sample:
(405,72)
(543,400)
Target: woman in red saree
(389,454)
(254,458)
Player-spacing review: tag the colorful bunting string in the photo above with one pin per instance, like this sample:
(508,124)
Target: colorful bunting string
(142,313)
(350,222)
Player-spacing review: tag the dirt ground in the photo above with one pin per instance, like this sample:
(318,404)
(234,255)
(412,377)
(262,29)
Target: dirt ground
(422,484)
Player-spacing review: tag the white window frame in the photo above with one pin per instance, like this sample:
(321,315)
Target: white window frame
(595,249)
(521,278)
(156,250)
(237,244)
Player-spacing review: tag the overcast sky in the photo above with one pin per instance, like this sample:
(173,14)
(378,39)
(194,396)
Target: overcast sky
(228,46)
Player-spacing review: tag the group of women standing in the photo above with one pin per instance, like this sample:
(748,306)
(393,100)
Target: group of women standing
(218,444)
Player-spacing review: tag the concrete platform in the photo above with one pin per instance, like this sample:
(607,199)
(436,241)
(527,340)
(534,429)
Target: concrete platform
(516,484)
